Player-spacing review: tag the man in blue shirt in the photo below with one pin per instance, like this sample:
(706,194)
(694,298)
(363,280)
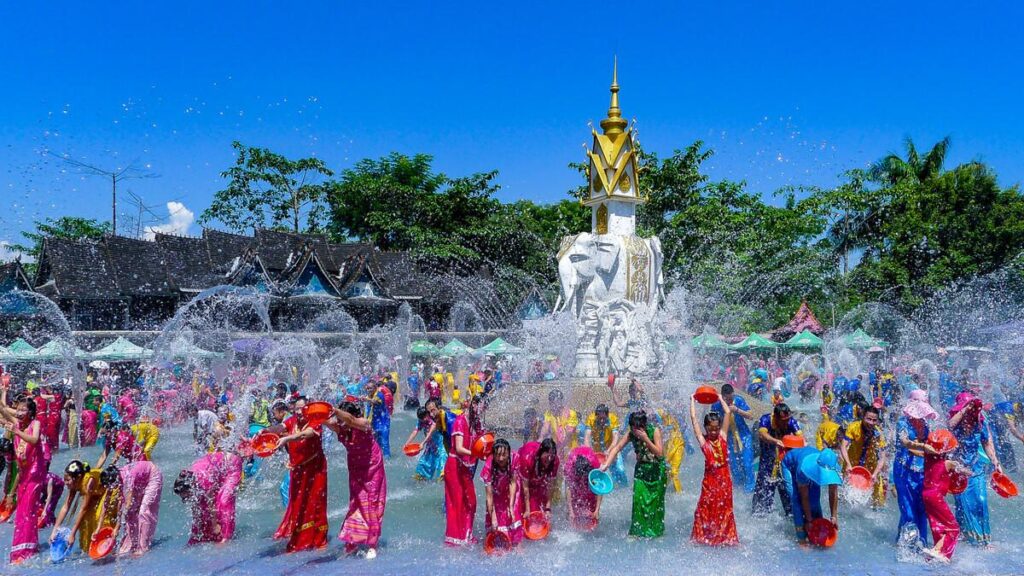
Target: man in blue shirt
(770,430)
(741,440)
(811,469)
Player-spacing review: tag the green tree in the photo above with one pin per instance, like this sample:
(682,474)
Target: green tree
(266,189)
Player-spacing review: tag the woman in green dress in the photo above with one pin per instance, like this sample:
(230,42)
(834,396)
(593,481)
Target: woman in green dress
(649,476)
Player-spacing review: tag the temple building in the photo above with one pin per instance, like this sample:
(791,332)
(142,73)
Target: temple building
(120,283)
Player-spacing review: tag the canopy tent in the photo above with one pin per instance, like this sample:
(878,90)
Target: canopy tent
(499,346)
(254,346)
(121,350)
(19,351)
(805,339)
(707,340)
(862,340)
(803,321)
(456,348)
(58,350)
(423,348)
(755,342)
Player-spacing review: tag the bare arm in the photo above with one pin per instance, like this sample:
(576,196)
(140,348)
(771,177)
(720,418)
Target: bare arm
(459,442)
(990,451)
(844,452)
(693,422)
(350,421)
(612,453)
(726,419)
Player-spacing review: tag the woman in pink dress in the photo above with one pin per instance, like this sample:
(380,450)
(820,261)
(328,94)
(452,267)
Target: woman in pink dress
(210,485)
(28,452)
(537,468)
(459,491)
(584,505)
(504,496)
(367,483)
(140,484)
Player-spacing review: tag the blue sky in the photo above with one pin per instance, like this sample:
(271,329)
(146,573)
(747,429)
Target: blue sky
(785,92)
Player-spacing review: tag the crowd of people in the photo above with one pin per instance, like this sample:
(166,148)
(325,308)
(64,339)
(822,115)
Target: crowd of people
(752,443)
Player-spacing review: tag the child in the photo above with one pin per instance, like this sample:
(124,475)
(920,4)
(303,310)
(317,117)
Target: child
(430,466)
(713,521)
(649,476)
(937,470)
(537,467)
(504,495)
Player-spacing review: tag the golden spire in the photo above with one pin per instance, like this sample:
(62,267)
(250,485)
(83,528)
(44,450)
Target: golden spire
(614,123)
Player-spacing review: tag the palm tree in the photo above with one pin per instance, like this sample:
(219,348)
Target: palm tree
(893,170)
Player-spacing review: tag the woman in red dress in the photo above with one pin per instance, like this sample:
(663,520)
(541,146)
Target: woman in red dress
(305,520)
(713,521)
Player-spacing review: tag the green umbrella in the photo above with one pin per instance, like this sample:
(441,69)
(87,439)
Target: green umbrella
(58,349)
(861,339)
(423,348)
(455,348)
(19,351)
(499,346)
(805,339)
(755,342)
(707,340)
(121,350)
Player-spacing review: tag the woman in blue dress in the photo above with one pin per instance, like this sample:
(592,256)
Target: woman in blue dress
(430,466)
(968,424)
(907,468)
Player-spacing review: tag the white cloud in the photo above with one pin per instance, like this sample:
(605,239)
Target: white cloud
(179,220)
(8,254)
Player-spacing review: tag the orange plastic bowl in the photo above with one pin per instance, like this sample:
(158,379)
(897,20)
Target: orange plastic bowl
(1003,486)
(6,511)
(497,543)
(264,444)
(957,483)
(412,449)
(102,543)
(821,532)
(537,526)
(793,441)
(860,478)
(706,395)
(483,446)
(611,380)
(317,413)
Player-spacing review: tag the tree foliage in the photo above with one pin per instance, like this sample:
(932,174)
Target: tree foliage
(268,190)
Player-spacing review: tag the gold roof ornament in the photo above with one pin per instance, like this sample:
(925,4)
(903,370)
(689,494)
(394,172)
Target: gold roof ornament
(613,163)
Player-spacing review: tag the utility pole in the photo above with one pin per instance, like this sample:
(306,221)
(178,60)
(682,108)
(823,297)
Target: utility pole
(116,175)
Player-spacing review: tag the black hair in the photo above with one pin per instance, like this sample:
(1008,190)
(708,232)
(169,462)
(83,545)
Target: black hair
(6,447)
(581,467)
(110,476)
(638,420)
(351,408)
(555,394)
(434,401)
(601,409)
(183,485)
(727,389)
(422,413)
(76,469)
(31,405)
(546,445)
(502,444)
(872,409)
(712,417)
(781,408)
(279,406)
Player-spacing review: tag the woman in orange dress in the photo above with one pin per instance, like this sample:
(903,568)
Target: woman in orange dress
(713,521)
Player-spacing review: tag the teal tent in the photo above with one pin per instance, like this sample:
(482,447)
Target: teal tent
(499,346)
(707,340)
(19,351)
(121,350)
(862,340)
(805,340)
(755,342)
(57,349)
(423,348)
(455,348)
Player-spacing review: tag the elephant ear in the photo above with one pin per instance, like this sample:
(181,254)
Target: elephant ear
(567,242)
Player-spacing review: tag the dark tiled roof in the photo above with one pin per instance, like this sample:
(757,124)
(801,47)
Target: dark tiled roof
(224,247)
(300,261)
(188,262)
(276,248)
(139,267)
(77,269)
(12,277)
(398,273)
